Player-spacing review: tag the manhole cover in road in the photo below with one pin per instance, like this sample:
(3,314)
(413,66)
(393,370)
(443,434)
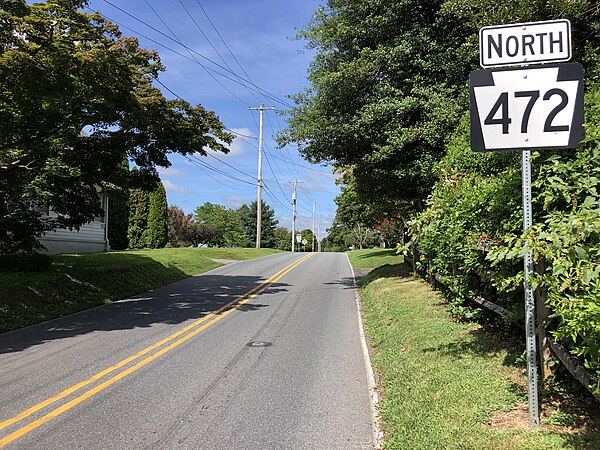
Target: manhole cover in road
(258,344)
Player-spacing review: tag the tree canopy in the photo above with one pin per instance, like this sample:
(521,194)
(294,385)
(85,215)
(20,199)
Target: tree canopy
(75,98)
(267,228)
(224,222)
(388,86)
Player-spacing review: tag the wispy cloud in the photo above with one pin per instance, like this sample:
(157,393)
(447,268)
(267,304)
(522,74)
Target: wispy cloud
(171,172)
(234,202)
(172,187)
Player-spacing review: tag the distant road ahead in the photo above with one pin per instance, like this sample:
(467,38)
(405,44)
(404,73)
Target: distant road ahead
(261,354)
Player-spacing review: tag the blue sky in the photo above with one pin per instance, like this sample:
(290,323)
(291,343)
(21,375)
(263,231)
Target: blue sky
(260,35)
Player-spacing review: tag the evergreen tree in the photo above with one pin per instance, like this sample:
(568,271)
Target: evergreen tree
(268,224)
(118,219)
(118,208)
(158,227)
(139,207)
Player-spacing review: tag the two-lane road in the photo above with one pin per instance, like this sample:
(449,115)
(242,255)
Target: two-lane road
(258,354)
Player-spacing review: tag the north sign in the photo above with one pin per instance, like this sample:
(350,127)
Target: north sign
(525,43)
(537,107)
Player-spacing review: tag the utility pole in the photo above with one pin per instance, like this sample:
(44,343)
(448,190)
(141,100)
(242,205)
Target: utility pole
(319,233)
(319,236)
(294,184)
(261,109)
(313,228)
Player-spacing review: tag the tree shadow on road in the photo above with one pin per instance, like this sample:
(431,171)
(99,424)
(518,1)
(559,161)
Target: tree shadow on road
(177,303)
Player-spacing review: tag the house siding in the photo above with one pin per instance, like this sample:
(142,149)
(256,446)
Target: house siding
(91,237)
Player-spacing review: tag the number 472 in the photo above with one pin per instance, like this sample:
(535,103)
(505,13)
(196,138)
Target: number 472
(504,119)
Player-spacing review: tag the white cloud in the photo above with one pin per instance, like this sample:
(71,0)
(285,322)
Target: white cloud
(172,187)
(235,202)
(238,146)
(170,172)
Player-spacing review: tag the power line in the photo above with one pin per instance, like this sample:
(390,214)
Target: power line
(303,166)
(219,171)
(261,90)
(274,176)
(201,169)
(238,81)
(223,40)
(205,36)
(189,52)
(233,167)
(270,192)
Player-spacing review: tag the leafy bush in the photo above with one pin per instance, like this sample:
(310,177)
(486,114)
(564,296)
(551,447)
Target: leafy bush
(471,235)
(474,204)
(567,240)
(32,262)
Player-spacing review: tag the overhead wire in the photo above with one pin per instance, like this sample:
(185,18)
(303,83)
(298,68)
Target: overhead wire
(189,51)
(240,80)
(229,49)
(205,172)
(245,82)
(223,40)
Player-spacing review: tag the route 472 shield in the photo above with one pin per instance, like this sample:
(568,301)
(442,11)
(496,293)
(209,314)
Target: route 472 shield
(537,107)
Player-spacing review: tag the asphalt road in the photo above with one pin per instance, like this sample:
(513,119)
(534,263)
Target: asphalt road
(261,354)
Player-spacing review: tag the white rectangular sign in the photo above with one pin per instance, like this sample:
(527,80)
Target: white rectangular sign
(522,108)
(525,43)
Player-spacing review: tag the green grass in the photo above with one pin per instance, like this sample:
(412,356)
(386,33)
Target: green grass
(451,385)
(372,258)
(80,281)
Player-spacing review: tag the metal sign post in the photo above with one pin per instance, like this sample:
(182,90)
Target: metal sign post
(532,107)
(531,344)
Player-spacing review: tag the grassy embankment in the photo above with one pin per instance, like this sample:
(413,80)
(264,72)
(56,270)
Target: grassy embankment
(448,384)
(80,281)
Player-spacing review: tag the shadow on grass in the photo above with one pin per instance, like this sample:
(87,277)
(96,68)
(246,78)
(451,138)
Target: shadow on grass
(175,303)
(378,253)
(490,340)
(386,271)
(486,340)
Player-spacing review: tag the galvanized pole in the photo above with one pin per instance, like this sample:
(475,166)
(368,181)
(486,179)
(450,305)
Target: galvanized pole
(532,378)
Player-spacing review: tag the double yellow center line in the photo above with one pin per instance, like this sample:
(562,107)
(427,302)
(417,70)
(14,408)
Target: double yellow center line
(193,329)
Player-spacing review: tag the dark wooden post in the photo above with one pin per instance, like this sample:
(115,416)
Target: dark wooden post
(432,280)
(415,255)
(542,314)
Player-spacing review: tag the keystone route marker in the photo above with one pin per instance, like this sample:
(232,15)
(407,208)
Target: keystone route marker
(523,108)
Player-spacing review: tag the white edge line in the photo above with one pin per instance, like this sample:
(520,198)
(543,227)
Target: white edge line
(374,395)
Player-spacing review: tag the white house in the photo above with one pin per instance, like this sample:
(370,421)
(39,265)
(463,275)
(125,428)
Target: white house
(91,237)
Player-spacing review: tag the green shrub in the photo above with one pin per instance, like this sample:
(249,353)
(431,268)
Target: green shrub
(33,262)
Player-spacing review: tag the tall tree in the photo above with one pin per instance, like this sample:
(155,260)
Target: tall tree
(388,84)
(224,221)
(139,207)
(383,95)
(62,70)
(178,222)
(118,218)
(118,210)
(283,238)
(268,224)
(158,228)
